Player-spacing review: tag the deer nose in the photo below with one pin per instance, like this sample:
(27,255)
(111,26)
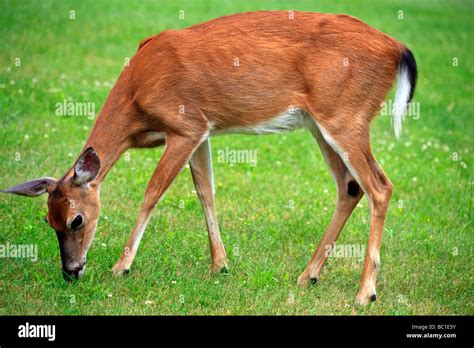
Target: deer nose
(73,273)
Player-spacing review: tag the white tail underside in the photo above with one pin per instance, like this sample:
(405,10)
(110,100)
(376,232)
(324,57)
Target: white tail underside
(401,100)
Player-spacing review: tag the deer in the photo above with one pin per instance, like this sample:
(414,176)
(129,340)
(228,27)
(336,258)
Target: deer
(257,73)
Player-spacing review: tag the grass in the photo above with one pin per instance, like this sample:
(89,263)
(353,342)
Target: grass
(272,215)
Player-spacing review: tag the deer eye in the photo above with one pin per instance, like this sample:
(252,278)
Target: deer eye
(77,222)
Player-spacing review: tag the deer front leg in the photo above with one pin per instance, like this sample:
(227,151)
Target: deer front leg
(201,170)
(177,153)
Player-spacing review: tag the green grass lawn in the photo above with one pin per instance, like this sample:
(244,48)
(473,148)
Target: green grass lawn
(273,215)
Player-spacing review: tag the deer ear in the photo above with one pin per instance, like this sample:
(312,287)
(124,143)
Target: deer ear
(87,167)
(31,188)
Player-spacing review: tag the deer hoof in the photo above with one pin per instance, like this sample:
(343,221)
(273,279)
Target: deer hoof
(215,268)
(365,300)
(119,270)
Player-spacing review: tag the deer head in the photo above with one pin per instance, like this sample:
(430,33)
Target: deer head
(73,209)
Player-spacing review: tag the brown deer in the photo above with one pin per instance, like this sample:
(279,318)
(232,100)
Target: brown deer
(258,73)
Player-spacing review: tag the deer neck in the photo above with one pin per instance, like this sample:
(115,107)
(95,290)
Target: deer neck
(110,135)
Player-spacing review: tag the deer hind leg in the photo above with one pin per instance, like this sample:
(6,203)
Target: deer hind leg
(348,195)
(177,153)
(201,170)
(353,147)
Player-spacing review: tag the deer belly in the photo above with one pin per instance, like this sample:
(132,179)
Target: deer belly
(289,120)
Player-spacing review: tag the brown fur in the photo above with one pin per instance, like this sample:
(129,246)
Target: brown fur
(186,82)
(283,62)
